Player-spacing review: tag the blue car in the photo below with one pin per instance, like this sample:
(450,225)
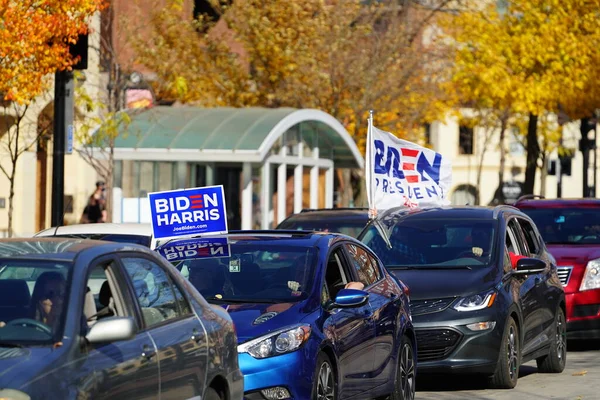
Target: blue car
(84,319)
(316,314)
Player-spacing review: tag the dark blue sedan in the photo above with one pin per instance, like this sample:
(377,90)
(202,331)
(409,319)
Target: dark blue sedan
(317,315)
(82,319)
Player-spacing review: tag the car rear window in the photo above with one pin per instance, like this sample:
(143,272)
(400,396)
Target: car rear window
(349,226)
(567,225)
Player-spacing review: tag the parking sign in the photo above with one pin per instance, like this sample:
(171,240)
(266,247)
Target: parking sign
(188,212)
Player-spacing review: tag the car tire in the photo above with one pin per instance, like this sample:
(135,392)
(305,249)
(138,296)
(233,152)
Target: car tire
(211,394)
(509,359)
(555,361)
(324,382)
(404,381)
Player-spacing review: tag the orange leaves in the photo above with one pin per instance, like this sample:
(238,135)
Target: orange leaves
(34,42)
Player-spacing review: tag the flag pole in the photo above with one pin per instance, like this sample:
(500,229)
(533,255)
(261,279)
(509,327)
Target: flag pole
(369,164)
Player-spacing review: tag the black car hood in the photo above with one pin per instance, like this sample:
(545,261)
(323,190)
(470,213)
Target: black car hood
(427,284)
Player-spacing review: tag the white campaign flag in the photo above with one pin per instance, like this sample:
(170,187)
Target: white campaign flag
(401,173)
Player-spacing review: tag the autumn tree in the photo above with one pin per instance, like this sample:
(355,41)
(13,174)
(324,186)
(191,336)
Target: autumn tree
(34,43)
(531,57)
(344,57)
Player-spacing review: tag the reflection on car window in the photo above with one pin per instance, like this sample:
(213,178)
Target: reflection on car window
(439,242)
(33,300)
(255,271)
(159,299)
(567,225)
(365,266)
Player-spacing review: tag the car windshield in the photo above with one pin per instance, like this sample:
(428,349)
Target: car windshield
(32,301)
(433,243)
(112,237)
(255,271)
(577,226)
(350,226)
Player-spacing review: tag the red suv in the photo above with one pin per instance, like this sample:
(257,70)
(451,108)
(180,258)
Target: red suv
(571,230)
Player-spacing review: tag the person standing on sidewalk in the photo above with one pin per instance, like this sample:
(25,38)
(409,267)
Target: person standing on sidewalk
(95,210)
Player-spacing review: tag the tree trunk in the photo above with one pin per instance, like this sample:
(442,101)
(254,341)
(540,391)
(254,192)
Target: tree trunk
(11,195)
(533,153)
(543,174)
(479,172)
(503,123)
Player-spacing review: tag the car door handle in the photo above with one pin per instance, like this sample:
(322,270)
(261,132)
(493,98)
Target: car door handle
(148,352)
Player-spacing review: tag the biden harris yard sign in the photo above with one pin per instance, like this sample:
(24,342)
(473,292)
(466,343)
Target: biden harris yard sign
(188,212)
(401,173)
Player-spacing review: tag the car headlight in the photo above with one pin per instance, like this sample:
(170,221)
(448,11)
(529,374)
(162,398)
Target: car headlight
(12,394)
(591,277)
(276,343)
(476,302)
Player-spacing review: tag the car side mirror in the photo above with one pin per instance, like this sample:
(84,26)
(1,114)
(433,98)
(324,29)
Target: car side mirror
(349,298)
(112,329)
(527,266)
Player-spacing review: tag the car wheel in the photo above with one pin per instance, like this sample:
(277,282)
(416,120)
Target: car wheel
(211,394)
(325,385)
(404,385)
(556,359)
(509,360)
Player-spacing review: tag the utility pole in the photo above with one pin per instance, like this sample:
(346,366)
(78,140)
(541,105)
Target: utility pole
(63,118)
(63,131)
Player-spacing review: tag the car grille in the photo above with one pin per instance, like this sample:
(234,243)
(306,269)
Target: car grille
(564,274)
(419,307)
(436,344)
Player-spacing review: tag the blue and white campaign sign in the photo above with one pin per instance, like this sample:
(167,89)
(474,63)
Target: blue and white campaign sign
(401,173)
(188,212)
(187,249)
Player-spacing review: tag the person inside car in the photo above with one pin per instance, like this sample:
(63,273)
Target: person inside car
(48,298)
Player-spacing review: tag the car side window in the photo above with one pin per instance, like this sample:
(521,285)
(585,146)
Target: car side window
(512,237)
(530,237)
(364,264)
(159,298)
(335,276)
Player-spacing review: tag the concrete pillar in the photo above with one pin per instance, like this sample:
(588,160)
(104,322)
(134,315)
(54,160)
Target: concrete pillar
(247,196)
(299,180)
(281,187)
(314,181)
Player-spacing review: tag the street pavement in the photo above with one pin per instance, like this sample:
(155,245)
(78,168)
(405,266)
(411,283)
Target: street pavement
(579,381)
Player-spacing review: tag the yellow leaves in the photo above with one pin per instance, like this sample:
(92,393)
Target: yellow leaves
(34,42)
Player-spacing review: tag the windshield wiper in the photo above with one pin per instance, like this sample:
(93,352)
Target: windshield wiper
(414,267)
(238,301)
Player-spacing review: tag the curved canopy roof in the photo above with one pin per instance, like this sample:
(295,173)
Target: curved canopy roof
(231,134)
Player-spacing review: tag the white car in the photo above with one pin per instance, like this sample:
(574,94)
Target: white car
(112,232)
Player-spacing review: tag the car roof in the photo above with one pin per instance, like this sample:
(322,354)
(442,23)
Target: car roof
(330,213)
(50,248)
(142,229)
(458,212)
(300,237)
(558,203)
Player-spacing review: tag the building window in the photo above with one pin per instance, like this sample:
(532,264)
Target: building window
(465,140)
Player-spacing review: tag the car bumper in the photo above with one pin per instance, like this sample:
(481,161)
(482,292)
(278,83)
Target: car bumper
(292,371)
(449,346)
(583,314)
